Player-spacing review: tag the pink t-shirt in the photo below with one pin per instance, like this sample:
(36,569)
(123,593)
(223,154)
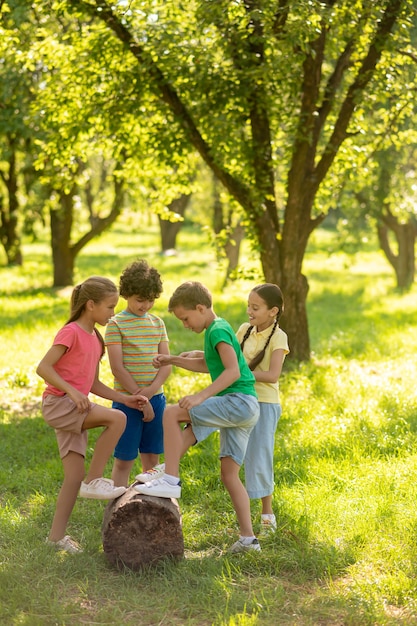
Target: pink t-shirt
(78,365)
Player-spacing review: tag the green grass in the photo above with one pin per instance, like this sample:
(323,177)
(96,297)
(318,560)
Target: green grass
(346,459)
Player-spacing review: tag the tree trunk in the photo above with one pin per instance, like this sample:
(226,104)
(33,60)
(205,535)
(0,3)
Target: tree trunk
(169,229)
(232,250)
(281,265)
(228,245)
(294,320)
(9,235)
(62,253)
(139,531)
(403,262)
(406,256)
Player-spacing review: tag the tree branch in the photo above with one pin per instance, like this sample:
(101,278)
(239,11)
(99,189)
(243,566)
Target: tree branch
(260,125)
(363,77)
(163,88)
(102,223)
(410,55)
(281,16)
(342,64)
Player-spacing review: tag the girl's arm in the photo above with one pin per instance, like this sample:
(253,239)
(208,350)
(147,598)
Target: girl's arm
(47,371)
(230,374)
(275,368)
(102,390)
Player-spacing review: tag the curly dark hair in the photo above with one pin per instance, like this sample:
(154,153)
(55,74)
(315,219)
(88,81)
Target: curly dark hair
(138,279)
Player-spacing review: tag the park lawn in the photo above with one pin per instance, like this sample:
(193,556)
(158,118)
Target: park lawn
(346,459)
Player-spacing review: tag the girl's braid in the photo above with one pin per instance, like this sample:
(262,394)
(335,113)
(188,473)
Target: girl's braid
(258,358)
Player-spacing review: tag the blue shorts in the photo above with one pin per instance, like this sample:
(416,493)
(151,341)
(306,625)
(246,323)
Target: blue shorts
(140,436)
(234,415)
(259,459)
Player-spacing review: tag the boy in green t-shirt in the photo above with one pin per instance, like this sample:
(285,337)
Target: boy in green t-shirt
(229,404)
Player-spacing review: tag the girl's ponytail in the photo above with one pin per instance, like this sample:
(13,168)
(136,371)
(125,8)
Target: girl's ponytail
(95,288)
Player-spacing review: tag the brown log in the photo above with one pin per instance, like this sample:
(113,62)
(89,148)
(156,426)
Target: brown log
(141,530)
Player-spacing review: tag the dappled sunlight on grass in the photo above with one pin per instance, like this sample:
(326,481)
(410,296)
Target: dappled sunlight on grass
(185,384)
(352,406)
(345,551)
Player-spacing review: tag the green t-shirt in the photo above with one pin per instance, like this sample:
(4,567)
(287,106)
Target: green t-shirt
(221,331)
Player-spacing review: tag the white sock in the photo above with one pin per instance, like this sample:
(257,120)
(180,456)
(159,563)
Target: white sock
(270,517)
(171,480)
(246,540)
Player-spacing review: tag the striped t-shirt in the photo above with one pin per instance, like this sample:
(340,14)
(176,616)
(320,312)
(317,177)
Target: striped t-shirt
(140,338)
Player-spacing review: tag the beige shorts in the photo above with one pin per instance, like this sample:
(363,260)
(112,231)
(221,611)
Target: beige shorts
(61,413)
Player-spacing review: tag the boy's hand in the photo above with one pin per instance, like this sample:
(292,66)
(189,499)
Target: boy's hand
(148,413)
(161,359)
(188,402)
(144,391)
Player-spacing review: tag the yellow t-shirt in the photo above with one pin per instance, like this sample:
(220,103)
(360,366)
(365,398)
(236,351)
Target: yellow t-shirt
(267,392)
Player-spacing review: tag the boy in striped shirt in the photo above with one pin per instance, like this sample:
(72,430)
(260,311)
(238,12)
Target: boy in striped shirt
(133,338)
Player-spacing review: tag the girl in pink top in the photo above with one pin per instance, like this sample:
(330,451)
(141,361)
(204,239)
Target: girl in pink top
(70,369)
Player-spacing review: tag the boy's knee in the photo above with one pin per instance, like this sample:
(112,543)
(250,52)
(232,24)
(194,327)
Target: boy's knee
(171,413)
(189,436)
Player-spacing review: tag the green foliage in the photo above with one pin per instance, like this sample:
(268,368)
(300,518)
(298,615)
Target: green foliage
(276,99)
(108,109)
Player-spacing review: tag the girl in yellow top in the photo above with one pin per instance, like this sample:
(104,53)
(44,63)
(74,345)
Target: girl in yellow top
(264,346)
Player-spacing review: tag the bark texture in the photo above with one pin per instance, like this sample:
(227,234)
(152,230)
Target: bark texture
(139,531)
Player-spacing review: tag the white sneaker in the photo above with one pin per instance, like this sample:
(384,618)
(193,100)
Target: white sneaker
(66,543)
(242,546)
(160,488)
(153,474)
(101,489)
(268,525)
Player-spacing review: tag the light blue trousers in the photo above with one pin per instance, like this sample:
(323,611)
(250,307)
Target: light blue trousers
(259,459)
